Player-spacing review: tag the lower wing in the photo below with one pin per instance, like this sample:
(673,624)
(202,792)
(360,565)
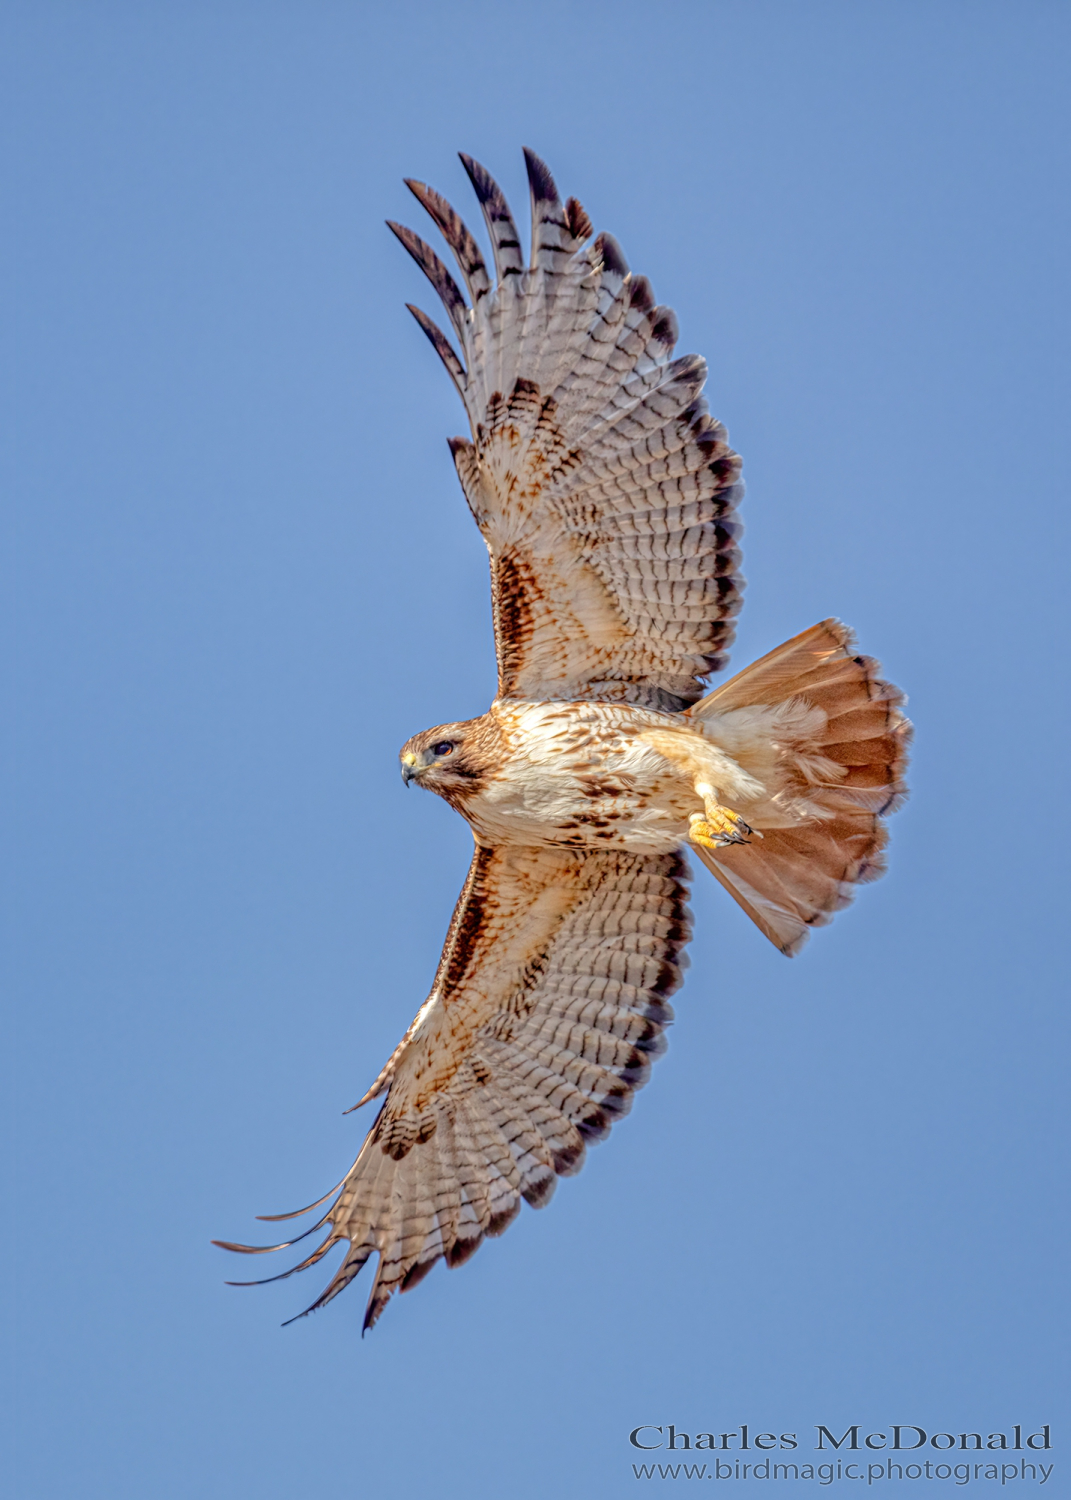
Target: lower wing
(547,1010)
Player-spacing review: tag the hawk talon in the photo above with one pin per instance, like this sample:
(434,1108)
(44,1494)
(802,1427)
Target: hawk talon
(720,826)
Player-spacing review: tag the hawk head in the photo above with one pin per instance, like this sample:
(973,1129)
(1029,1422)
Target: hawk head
(453,759)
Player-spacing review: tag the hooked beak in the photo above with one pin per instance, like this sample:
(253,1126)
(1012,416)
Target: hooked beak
(409,767)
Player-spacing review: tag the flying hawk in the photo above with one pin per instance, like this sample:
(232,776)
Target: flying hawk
(605,493)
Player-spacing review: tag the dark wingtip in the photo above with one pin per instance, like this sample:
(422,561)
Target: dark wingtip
(264,1280)
(296,1212)
(462,1250)
(448,355)
(376,1303)
(666,329)
(255,1249)
(580,226)
(416,1273)
(401,233)
(613,258)
(298,1317)
(266,1249)
(420,191)
(539,1193)
(500,1222)
(542,183)
(642,297)
(483,183)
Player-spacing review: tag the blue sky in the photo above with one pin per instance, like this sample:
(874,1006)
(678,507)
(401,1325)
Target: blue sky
(243,575)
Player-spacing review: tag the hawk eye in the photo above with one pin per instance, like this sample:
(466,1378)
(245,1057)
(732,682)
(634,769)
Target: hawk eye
(443,747)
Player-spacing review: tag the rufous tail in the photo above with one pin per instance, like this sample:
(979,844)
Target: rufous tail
(840,784)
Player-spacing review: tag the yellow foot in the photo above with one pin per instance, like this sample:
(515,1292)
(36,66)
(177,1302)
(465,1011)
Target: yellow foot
(719,827)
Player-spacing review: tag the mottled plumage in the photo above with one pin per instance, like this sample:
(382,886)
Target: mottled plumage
(605,493)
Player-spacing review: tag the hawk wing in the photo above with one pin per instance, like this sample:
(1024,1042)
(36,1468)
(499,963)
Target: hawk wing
(546,1012)
(603,488)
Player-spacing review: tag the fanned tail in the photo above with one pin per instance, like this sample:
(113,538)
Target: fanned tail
(843,753)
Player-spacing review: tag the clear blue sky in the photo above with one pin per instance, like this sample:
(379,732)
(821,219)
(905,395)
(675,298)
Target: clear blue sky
(244,574)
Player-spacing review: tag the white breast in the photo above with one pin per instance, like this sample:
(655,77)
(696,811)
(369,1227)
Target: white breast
(580,774)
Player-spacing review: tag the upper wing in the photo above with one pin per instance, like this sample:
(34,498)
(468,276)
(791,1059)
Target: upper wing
(604,490)
(546,1011)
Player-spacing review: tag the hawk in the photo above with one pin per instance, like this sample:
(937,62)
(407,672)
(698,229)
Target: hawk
(606,495)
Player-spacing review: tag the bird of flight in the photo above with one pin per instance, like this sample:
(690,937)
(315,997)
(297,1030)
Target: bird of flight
(605,493)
